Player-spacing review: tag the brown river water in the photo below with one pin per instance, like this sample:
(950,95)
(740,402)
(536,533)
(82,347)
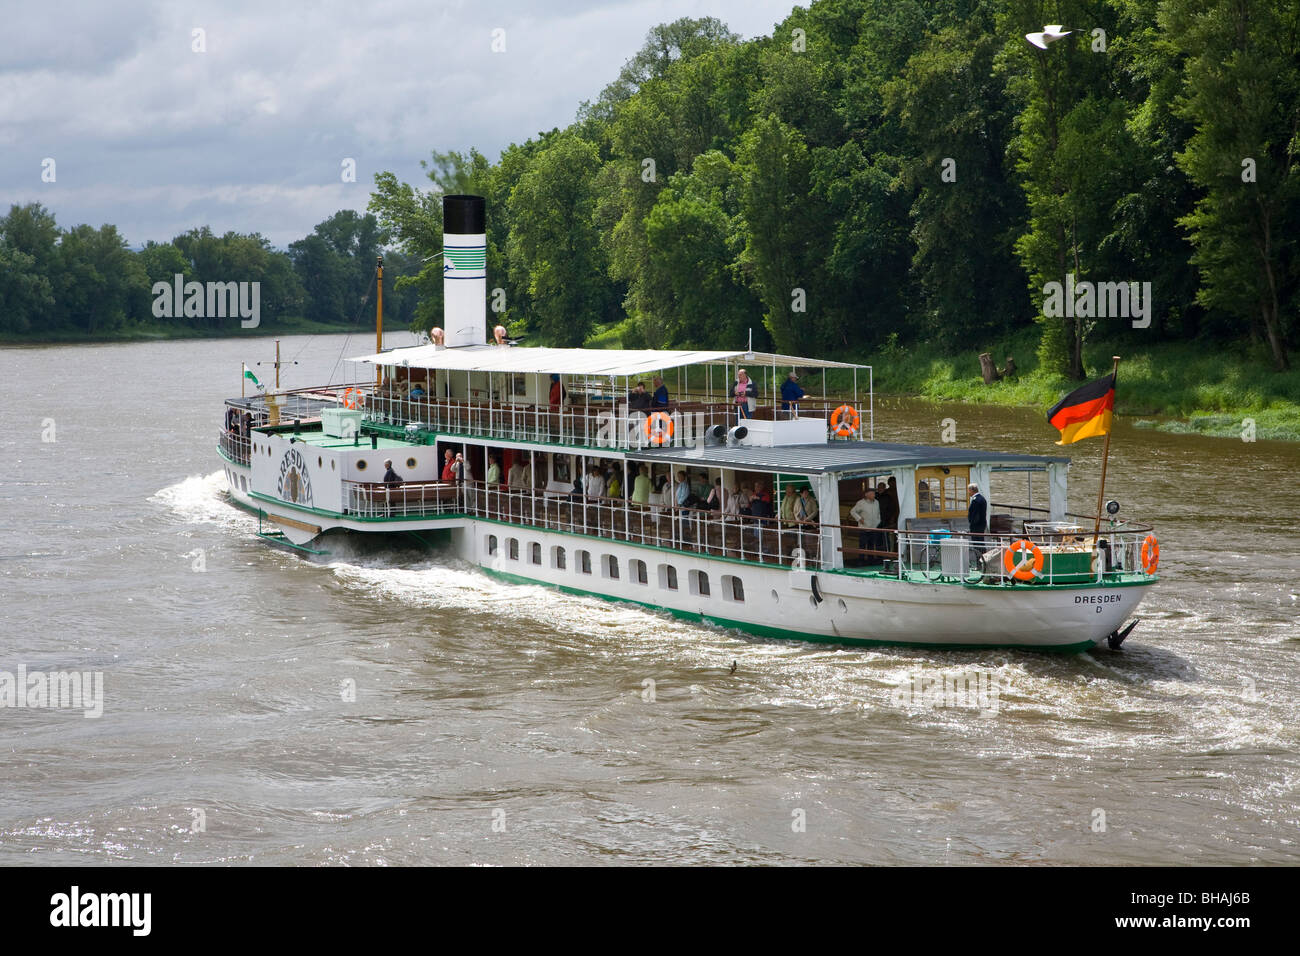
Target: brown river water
(500,724)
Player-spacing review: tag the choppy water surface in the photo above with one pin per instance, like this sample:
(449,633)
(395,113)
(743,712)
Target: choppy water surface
(226,667)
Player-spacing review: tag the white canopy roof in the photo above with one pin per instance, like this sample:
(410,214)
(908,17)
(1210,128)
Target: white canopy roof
(612,362)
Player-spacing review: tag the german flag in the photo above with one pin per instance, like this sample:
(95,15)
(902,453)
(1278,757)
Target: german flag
(1085,412)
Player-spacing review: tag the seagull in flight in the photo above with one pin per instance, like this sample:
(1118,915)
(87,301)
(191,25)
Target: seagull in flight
(1050,34)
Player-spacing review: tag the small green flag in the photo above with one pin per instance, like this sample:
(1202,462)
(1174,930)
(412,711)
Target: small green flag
(248,374)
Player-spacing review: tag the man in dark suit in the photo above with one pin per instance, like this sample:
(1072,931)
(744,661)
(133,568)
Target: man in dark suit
(978,515)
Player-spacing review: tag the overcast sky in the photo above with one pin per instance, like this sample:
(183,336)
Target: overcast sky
(156,138)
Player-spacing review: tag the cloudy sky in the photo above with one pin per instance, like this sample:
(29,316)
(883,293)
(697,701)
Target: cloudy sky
(250,134)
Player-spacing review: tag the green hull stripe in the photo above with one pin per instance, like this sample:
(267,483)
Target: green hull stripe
(763,630)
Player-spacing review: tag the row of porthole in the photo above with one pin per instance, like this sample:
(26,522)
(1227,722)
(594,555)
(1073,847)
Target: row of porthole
(699,580)
(231,477)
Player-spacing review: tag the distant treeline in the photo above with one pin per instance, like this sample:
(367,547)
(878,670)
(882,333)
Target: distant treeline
(58,282)
(913,169)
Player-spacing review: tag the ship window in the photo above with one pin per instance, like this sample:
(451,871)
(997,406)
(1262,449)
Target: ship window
(732,588)
(584,562)
(491,544)
(331,464)
(557,558)
(512,548)
(699,583)
(243,483)
(637,572)
(320,462)
(411,463)
(361,464)
(535,553)
(611,567)
(941,492)
(667,577)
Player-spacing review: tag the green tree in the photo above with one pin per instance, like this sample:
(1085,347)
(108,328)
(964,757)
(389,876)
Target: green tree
(101,283)
(554,250)
(1241,89)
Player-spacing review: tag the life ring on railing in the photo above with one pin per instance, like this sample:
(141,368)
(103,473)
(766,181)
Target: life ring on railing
(850,424)
(659,428)
(1023,570)
(353,398)
(1150,554)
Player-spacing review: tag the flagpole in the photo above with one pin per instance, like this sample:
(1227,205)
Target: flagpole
(1105,456)
(243,367)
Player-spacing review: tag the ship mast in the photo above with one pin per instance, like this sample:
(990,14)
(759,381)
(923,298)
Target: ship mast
(379,318)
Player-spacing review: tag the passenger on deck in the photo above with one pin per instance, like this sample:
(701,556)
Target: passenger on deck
(499,335)
(682,495)
(888,496)
(791,392)
(517,477)
(595,483)
(613,486)
(745,392)
(742,499)
(556,396)
(417,391)
(494,469)
(978,515)
(639,400)
(458,470)
(660,398)
(448,459)
(788,504)
(391,477)
(867,514)
(641,486)
(717,500)
(760,502)
(805,509)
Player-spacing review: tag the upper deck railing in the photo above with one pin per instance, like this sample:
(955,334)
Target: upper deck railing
(605,424)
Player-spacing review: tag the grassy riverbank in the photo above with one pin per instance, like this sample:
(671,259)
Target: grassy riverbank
(155,331)
(1177,387)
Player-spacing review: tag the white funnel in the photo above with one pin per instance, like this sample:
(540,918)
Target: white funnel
(464,271)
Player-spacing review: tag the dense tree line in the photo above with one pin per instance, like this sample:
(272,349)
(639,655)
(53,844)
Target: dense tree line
(84,280)
(908,168)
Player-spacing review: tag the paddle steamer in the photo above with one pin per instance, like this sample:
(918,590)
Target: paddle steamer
(529,498)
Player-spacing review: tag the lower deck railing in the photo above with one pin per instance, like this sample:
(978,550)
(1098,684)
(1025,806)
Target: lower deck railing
(1048,557)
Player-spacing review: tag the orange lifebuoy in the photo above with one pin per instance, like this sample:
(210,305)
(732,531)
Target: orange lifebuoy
(353,398)
(1150,554)
(850,424)
(659,428)
(1023,570)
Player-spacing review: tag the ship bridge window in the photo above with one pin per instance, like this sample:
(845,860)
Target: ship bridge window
(941,492)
